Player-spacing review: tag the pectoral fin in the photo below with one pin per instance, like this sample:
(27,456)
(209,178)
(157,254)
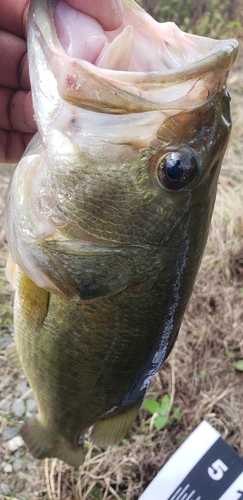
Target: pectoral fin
(43,443)
(31,301)
(11,270)
(110,430)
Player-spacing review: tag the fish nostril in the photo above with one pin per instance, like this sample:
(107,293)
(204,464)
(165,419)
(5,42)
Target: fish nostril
(207,133)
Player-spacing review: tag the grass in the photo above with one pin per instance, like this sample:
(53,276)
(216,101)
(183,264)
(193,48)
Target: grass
(205,18)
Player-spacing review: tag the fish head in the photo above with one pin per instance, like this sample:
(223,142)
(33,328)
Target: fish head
(132,128)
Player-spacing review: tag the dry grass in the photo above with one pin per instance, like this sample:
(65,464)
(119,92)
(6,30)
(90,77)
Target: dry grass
(199,375)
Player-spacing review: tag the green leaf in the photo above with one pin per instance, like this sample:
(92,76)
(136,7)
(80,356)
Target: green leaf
(177,414)
(160,422)
(96,493)
(151,405)
(181,437)
(165,403)
(230,353)
(162,412)
(239,365)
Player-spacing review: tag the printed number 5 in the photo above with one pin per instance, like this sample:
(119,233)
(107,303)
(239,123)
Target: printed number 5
(217,469)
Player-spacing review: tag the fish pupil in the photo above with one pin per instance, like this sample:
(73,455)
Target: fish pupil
(175,169)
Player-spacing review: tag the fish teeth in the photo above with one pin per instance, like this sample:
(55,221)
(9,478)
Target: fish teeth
(116,55)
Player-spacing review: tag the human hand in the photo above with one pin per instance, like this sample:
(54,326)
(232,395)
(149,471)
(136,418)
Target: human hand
(17,124)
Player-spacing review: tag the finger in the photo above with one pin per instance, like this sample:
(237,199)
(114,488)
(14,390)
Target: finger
(12,145)
(13,63)
(21,112)
(109,13)
(23,72)
(14,16)
(16,111)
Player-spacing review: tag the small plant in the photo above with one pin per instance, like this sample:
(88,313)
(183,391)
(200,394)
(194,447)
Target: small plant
(230,353)
(238,365)
(96,493)
(161,412)
(10,421)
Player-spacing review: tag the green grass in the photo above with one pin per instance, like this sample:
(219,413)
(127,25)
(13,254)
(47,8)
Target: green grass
(211,18)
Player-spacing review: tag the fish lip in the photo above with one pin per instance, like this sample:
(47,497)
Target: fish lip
(222,57)
(126,92)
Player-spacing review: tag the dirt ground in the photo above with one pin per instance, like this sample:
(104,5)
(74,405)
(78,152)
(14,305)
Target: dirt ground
(199,377)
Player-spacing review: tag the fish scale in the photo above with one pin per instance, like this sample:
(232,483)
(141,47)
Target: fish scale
(114,200)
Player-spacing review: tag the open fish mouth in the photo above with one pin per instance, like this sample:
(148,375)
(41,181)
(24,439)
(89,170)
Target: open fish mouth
(139,45)
(133,68)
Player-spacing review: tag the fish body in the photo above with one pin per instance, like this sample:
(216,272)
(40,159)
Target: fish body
(108,213)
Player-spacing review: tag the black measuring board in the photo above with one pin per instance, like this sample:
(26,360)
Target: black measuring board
(204,468)
(212,475)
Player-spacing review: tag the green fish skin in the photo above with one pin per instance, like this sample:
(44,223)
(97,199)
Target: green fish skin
(108,212)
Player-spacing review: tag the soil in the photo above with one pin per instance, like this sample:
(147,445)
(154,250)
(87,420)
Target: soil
(200,376)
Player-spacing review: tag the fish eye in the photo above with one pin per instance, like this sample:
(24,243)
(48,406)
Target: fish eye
(176,170)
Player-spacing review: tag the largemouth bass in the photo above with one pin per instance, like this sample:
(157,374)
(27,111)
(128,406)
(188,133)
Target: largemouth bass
(108,213)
